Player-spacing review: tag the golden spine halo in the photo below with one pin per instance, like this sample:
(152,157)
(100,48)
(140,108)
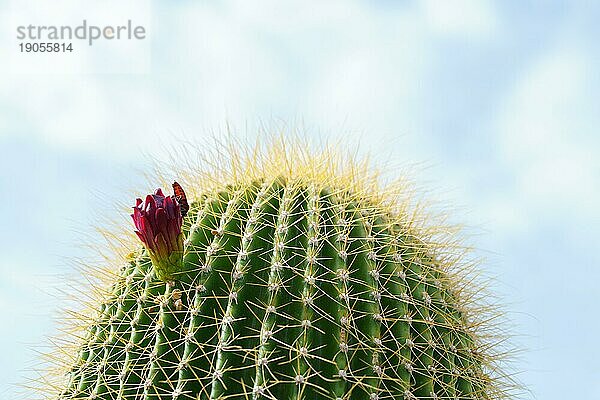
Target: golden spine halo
(205,169)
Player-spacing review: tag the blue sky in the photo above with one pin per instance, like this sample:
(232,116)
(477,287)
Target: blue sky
(498,102)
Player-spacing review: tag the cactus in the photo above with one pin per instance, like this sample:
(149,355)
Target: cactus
(299,278)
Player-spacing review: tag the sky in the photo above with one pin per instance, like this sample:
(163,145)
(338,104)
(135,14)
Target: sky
(495,104)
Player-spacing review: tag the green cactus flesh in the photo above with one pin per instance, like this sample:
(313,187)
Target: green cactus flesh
(289,290)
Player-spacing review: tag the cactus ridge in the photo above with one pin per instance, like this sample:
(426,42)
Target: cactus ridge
(292,288)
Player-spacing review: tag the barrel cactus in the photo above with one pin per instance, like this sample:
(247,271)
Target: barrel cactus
(292,276)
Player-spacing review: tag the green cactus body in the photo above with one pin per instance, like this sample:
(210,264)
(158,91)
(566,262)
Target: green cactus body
(291,288)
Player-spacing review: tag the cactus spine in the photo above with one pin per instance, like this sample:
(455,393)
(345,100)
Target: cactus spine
(293,286)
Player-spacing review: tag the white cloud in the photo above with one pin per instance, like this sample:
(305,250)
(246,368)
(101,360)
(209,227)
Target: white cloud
(547,132)
(347,65)
(476,19)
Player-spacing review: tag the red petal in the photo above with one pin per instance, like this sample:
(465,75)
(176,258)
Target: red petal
(174,234)
(142,237)
(150,203)
(136,216)
(174,231)
(169,207)
(146,230)
(162,222)
(161,246)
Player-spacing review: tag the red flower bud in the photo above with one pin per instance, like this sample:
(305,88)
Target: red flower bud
(158,225)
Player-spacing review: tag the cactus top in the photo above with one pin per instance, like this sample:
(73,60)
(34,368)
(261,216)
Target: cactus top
(295,283)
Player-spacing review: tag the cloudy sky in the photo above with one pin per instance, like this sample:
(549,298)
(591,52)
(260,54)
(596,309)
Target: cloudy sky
(498,104)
